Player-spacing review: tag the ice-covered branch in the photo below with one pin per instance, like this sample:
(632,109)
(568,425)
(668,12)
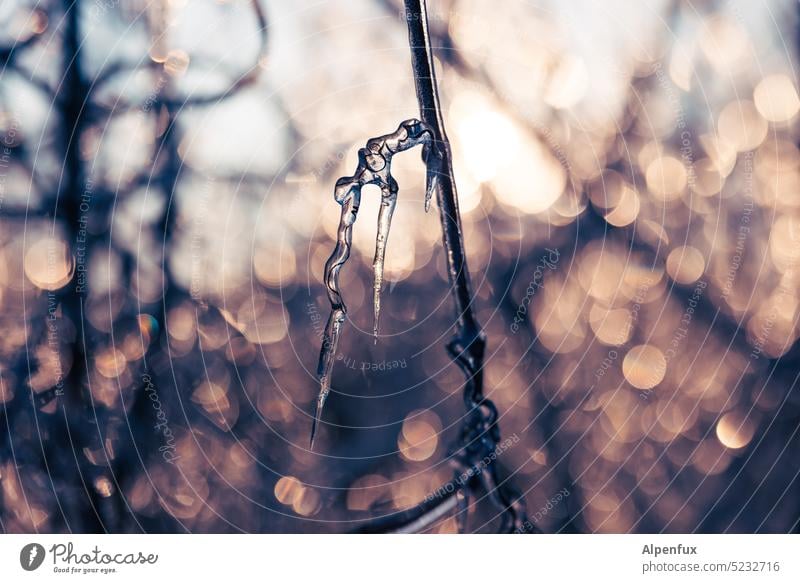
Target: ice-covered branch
(374,167)
(479,434)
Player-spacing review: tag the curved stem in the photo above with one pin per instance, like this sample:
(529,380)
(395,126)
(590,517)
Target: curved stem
(480,432)
(467,347)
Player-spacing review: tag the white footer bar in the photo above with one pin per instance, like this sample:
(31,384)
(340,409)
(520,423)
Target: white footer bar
(398,558)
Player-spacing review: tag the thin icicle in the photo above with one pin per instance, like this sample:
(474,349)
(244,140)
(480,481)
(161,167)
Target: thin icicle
(388,203)
(432,162)
(374,167)
(332,332)
(349,196)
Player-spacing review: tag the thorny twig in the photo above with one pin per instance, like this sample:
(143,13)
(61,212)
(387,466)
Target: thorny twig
(479,434)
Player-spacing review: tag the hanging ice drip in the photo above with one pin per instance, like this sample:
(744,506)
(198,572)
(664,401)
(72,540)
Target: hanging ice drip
(374,167)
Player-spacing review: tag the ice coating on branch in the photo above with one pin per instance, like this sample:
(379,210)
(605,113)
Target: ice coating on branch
(374,167)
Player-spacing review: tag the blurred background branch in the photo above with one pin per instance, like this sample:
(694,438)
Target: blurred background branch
(627,182)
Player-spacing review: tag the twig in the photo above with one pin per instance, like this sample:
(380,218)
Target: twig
(480,433)
(475,450)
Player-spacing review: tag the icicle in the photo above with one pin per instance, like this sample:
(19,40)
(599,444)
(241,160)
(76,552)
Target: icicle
(432,162)
(331,339)
(349,196)
(374,167)
(388,202)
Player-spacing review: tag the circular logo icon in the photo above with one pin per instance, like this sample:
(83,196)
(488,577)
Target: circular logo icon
(31,556)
